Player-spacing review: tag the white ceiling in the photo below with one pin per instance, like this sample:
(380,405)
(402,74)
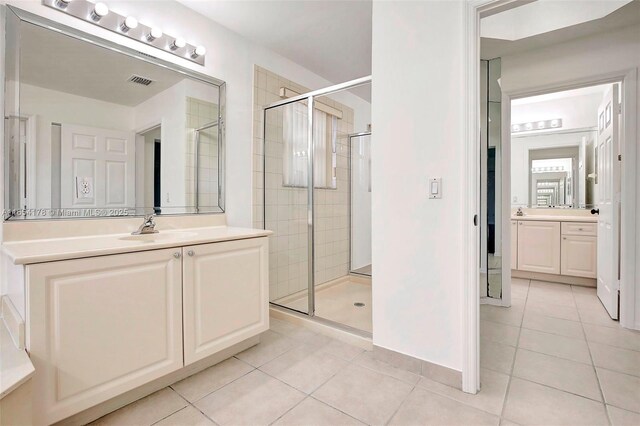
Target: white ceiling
(543,16)
(330,38)
(627,15)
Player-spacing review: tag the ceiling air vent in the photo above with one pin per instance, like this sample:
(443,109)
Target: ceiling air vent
(140,80)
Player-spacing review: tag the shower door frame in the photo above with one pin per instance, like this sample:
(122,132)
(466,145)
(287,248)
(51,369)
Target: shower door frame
(310,98)
(349,210)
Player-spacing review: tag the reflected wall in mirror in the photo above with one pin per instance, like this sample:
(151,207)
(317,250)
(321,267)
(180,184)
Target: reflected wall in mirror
(97,130)
(491,178)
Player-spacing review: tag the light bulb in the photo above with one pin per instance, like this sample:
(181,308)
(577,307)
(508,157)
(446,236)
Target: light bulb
(62,4)
(99,11)
(554,123)
(154,34)
(540,124)
(198,51)
(129,23)
(516,128)
(178,43)
(528,126)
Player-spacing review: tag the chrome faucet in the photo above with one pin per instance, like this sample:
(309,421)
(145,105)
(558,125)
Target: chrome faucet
(147,227)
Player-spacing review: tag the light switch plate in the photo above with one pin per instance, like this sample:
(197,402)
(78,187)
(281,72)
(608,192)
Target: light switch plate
(435,188)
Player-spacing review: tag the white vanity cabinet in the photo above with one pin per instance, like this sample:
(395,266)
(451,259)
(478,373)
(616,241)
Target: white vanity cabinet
(101,326)
(539,246)
(98,327)
(225,287)
(559,249)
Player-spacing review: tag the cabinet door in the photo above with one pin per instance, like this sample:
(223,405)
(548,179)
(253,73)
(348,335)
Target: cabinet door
(539,246)
(226,296)
(514,244)
(579,256)
(98,327)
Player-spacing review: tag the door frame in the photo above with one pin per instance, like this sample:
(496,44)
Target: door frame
(626,241)
(473,11)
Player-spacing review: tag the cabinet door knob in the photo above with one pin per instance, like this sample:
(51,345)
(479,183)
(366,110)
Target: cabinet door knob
(191,253)
(579,229)
(177,255)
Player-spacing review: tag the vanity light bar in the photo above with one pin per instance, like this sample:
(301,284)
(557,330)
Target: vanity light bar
(556,123)
(99,14)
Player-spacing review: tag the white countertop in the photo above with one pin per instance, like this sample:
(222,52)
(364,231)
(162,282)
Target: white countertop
(15,365)
(47,250)
(557,218)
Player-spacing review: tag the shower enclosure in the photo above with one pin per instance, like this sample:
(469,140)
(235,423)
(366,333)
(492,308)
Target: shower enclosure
(308,143)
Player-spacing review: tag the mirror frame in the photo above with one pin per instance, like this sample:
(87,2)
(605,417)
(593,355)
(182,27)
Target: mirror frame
(12,12)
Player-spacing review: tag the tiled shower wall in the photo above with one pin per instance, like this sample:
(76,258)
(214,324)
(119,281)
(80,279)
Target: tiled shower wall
(200,113)
(287,207)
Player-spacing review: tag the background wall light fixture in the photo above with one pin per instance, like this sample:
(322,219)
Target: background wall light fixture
(99,14)
(538,125)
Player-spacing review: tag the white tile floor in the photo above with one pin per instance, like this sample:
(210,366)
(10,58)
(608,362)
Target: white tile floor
(554,358)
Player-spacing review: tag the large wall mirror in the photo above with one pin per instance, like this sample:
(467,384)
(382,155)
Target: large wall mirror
(553,169)
(97,129)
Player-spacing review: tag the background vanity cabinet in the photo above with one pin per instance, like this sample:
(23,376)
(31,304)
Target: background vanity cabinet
(225,286)
(98,327)
(539,246)
(579,249)
(101,326)
(554,247)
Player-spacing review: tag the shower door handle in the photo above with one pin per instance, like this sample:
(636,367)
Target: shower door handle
(475,220)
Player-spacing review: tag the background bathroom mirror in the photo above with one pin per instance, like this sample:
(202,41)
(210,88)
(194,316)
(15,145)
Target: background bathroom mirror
(93,129)
(553,169)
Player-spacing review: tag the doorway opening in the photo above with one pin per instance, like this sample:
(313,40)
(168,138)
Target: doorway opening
(568,144)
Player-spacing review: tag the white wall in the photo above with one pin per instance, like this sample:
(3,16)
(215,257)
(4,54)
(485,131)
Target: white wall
(581,59)
(418,132)
(576,112)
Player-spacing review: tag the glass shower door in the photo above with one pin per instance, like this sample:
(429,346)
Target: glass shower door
(360,193)
(286,198)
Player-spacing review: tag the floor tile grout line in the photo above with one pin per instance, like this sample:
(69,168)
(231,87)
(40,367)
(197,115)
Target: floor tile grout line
(558,389)
(386,374)
(593,365)
(513,361)
(337,409)
(221,387)
(388,421)
(457,400)
(309,395)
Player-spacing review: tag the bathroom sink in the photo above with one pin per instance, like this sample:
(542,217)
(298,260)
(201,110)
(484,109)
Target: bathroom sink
(159,237)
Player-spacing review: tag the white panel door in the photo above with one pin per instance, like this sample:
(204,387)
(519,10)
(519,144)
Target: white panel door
(608,200)
(99,327)
(539,246)
(226,295)
(97,168)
